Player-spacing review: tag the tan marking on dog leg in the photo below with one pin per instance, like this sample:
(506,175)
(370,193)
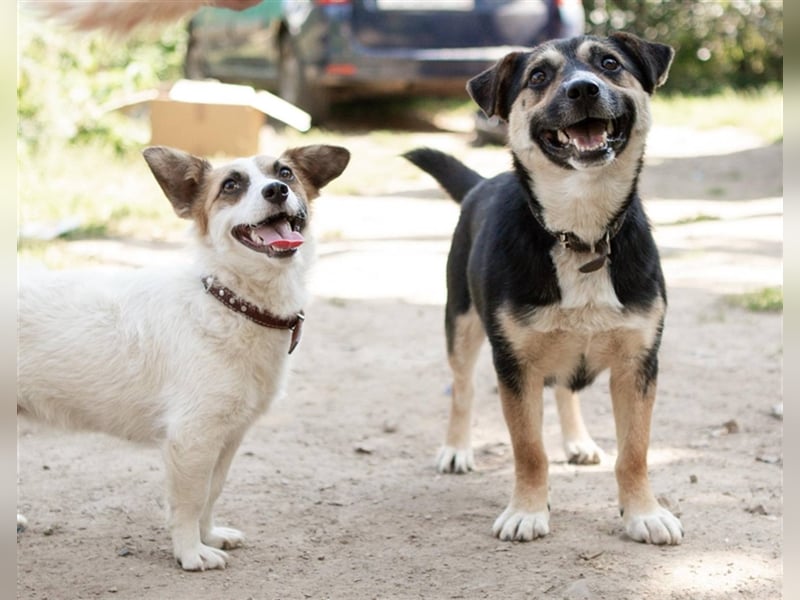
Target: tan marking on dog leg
(579,446)
(644,519)
(527,515)
(210,534)
(456,455)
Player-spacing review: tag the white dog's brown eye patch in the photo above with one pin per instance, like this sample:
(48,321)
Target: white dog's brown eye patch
(232,186)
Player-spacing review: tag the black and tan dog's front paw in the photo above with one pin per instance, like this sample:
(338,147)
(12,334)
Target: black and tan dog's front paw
(455,460)
(658,526)
(515,525)
(583,451)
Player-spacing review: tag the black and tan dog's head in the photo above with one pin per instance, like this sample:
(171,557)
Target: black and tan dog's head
(578,102)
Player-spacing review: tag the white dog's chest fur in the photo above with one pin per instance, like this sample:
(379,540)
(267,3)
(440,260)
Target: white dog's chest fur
(162,342)
(579,289)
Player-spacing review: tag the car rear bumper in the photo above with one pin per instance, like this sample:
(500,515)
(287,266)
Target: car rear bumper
(439,70)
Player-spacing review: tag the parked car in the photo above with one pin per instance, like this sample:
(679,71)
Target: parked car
(314,52)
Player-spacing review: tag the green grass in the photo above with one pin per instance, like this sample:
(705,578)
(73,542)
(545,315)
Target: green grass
(768,299)
(701,218)
(759,112)
(108,195)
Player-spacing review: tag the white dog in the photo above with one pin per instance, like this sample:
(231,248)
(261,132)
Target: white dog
(186,357)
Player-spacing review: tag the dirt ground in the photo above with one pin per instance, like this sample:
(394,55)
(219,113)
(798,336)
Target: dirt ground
(335,487)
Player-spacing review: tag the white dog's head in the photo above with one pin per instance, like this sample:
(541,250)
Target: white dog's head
(256,206)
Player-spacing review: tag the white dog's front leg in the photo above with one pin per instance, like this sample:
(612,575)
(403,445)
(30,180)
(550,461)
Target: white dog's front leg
(189,469)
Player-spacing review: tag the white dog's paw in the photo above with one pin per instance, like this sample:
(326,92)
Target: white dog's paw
(225,538)
(521,526)
(455,460)
(202,558)
(656,527)
(583,452)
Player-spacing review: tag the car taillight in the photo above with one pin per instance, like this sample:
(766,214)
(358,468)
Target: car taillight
(331,2)
(345,69)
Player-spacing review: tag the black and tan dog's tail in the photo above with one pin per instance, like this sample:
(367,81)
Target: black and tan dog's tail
(454,176)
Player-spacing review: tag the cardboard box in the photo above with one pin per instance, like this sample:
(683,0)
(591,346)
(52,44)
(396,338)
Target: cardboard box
(208,118)
(205,129)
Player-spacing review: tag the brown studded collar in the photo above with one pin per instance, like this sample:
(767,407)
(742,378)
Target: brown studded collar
(601,248)
(254,313)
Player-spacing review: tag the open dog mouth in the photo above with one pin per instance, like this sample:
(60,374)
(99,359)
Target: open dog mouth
(589,139)
(278,236)
(588,135)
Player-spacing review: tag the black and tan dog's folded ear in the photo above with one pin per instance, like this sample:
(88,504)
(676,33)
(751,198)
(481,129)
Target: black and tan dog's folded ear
(653,59)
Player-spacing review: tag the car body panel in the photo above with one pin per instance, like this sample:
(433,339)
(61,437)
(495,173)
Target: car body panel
(352,48)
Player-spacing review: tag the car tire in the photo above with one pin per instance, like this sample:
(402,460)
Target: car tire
(295,88)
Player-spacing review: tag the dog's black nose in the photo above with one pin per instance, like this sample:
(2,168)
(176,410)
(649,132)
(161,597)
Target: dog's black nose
(582,89)
(275,192)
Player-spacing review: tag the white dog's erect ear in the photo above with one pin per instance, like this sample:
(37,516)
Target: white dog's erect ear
(318,165)
(490,89)
(179,174)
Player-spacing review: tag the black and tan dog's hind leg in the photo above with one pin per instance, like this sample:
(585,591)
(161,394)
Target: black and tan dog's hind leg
(465,337)
(457,455)
(579,446)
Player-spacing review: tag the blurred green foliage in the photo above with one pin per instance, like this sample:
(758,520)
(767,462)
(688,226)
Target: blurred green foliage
(764,300)
(719,44)
(67,81)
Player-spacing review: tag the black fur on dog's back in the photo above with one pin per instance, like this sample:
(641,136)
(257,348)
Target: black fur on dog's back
(501,255)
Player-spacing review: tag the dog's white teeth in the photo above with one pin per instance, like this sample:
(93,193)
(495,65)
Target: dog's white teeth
(598,145)
(610,127)
(563,138)
(255,238)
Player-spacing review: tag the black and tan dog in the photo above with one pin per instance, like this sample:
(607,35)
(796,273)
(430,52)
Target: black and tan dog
(555,263)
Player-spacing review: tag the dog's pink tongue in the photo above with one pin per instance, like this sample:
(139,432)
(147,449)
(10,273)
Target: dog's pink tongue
(588,135)
(280,235)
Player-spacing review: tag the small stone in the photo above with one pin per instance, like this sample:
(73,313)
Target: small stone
(731,426)
(693,479)
(578,590)
(758,509)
